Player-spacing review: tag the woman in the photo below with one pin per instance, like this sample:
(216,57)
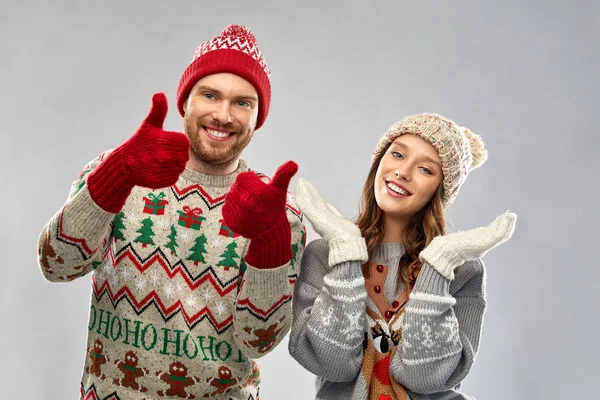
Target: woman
(391,307)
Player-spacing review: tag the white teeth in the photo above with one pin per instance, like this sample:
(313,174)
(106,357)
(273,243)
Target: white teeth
(218,134)
(397,189)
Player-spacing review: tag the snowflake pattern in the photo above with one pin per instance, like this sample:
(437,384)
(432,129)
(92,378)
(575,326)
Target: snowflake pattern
(206,295)
(125,272)
(114,280)
(220,308)
(163,223)
(108,268)
(428,337)
(427,340)
(185,236)
(353,329)
(169,291)
(140,284)
(154,277)
(99,276)
(132,217)
(191,301)
(216,243)
(327,316)
(451,330)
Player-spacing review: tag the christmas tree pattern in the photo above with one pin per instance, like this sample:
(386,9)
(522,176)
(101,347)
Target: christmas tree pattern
(81,179)
(172,240)
(228,257)
(198,250)
(118,226)
(295,248)
(145,232)
(294,254)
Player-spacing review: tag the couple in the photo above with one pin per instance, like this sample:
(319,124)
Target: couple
(198,263)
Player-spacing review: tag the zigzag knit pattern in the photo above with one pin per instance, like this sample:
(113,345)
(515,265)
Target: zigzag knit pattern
(175,310)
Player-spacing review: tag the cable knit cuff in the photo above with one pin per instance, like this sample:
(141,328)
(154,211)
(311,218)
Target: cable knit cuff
(347,249)
(442,257)
(272,248)
(431,281)
(109,185)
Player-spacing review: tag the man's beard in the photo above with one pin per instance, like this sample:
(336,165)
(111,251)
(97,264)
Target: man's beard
(207,154)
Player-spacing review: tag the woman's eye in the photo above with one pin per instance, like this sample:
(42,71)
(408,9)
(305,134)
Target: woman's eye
(397,155)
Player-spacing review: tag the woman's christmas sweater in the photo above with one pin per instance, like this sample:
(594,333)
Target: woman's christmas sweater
(422,349)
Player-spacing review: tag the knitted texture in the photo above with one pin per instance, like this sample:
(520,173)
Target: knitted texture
(459,149)
(176,309)
(235,51)
(344,238)
(426,349)
(447,252)
(256,210)
(151,158)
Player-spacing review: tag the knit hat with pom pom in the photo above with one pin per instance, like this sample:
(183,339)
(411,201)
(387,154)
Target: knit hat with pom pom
(460,150)
(234,50)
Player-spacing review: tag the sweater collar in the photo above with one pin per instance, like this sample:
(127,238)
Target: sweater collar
(214,180)
(386,252)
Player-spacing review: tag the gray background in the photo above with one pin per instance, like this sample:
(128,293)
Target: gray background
(76,78)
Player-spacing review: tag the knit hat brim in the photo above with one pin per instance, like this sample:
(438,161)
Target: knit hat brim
(460,150)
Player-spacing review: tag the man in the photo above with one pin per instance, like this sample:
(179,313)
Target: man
(193,256)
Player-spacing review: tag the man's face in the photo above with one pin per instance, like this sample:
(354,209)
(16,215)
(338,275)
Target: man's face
(220,117)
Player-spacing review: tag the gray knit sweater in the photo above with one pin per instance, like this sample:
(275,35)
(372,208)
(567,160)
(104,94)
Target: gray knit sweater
(440,326)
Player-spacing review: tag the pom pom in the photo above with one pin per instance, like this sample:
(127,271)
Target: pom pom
(239,31)
(478,151)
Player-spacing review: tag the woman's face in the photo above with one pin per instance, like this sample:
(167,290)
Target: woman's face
(408,176)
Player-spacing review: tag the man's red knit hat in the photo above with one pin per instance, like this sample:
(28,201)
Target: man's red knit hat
(235,51)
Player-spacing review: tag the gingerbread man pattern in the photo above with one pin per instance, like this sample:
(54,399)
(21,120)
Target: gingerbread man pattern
(131,371)
(223,383)
(178,380)
(98,359)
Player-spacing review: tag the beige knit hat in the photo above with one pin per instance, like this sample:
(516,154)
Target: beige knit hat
(460,150)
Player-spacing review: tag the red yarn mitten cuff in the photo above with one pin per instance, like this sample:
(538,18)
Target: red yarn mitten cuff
(108,184)
(272,248)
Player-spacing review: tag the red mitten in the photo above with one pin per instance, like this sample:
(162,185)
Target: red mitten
(256,210)
(151,158)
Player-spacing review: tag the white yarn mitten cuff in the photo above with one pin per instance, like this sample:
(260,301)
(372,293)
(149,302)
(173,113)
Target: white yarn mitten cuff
(347,249)
(442,257)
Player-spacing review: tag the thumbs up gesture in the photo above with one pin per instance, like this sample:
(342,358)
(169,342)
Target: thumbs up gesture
(256,210)
(152,158)
(253,206)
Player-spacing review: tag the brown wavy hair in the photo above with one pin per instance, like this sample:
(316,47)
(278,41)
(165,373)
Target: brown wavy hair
(419,232)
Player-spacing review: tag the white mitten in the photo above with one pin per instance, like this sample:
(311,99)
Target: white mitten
(345,240)
(445,253)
